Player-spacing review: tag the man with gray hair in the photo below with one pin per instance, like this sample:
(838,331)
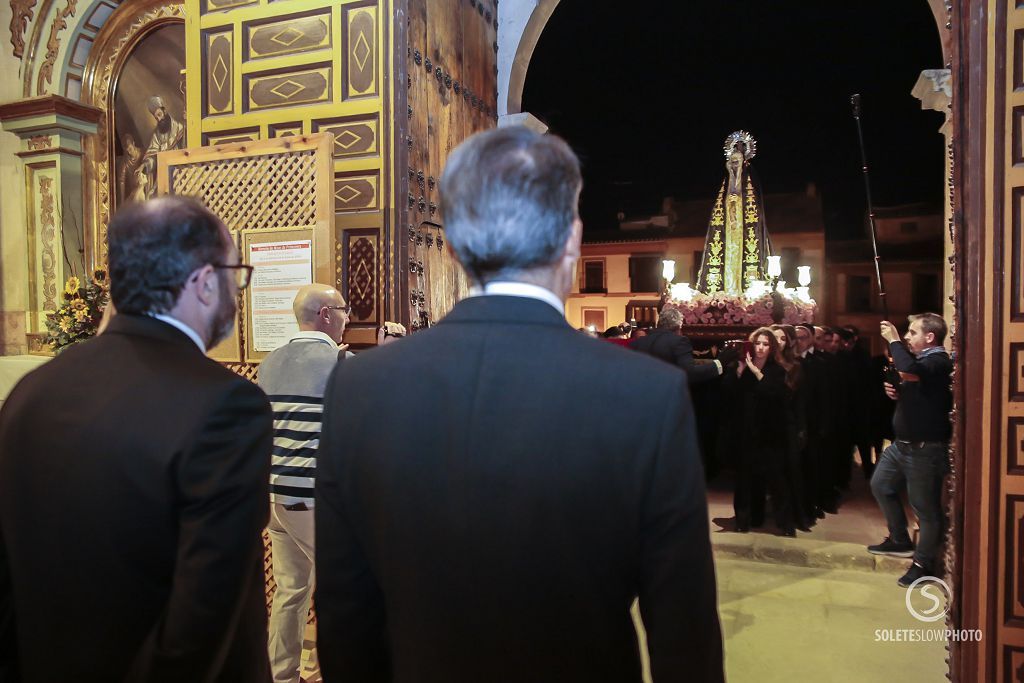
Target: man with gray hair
(294,377)
(504,523)
(668,343)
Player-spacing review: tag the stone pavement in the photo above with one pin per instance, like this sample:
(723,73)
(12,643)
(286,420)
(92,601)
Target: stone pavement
(789,624)
(837,542)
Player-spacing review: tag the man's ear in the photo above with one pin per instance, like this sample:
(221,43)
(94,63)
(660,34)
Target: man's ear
(572,244)
(206,284)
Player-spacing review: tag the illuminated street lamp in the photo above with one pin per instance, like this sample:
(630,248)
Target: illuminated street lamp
(668,270)
(681,291)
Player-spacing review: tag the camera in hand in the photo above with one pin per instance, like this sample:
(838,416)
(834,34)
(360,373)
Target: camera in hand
(736,349)
(891,374)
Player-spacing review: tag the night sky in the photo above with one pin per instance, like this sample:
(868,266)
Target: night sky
(646,92)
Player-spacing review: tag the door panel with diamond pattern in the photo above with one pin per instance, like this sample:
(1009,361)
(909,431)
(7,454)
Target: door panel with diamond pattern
(293,67)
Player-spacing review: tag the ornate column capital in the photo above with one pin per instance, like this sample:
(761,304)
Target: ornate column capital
(50,123)
(934,88)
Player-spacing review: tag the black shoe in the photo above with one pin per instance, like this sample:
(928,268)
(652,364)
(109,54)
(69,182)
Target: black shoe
(819,513)
(789,533)
(831,509)
(892,548)
(803,527)
(915,572)
(742,528)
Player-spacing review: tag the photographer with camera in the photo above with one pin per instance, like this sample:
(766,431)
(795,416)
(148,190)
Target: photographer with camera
(918,458)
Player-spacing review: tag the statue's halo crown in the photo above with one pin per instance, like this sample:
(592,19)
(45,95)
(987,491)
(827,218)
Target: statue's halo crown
(743,139)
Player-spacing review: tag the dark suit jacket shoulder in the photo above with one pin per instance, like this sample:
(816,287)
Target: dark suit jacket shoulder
(147,465)
(673,348)
(530,484)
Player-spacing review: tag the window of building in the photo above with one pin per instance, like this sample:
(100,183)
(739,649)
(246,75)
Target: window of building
(645,274)
(858,294)
(926,294)
(790,260)
(594,318)
(593,277)
(908,228)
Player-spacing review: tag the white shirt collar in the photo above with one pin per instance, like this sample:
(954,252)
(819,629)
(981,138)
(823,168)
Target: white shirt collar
(174,322)
(313,335)
(521,289)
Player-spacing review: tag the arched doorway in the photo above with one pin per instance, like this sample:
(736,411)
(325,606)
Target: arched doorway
(524,22)
(514,65)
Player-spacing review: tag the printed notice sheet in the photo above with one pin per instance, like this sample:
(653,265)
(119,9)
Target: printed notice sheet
(280,269)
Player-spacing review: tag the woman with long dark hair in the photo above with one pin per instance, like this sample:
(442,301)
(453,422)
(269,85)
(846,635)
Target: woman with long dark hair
(758,391)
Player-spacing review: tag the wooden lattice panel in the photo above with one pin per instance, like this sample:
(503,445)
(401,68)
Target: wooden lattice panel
(269,191)
(272,185)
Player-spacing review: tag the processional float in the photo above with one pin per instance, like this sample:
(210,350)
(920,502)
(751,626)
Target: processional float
(738,284)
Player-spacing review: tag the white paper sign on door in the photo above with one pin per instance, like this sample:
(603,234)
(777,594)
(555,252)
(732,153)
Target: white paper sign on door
(280,269)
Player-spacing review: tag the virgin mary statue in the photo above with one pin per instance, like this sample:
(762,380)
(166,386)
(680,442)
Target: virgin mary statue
(736,248)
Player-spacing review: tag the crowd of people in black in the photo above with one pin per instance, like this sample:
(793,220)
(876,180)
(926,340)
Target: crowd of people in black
(793,405)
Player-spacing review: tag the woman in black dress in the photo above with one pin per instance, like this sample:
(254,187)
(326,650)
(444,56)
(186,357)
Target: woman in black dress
(756,389)
(797,422)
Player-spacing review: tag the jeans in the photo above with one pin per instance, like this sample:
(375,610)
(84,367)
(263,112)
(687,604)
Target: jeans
(921,468)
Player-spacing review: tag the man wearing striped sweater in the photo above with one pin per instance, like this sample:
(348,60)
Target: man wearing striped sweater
(294,377)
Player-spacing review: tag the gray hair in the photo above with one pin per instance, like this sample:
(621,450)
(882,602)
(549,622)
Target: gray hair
(508,197)
(670,319)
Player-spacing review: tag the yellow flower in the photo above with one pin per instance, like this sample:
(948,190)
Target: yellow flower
(65,323)
(78,305)
(81,314)
(72,286)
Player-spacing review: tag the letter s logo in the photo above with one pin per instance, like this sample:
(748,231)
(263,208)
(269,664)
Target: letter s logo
(937,610)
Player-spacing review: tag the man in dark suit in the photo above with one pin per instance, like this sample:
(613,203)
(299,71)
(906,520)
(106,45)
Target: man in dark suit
(814,395)
(668,343)
(502,524)
(134,478)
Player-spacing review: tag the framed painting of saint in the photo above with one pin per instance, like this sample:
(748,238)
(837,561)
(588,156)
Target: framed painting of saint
(149,111)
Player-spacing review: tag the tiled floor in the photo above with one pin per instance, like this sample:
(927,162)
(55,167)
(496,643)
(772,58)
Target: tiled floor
(785,624)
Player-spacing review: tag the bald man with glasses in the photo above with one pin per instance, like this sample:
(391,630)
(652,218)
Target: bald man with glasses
(294,377)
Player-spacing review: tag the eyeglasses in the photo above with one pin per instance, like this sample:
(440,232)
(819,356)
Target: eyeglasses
(243,273)
(347,310)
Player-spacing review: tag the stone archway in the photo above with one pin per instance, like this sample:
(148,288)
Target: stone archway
(522,22)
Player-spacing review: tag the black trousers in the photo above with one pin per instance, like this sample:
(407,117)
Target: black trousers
(763,471)
(811,471)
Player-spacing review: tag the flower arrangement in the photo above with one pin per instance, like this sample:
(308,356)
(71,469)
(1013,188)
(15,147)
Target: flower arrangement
(719,308)
(78,318)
